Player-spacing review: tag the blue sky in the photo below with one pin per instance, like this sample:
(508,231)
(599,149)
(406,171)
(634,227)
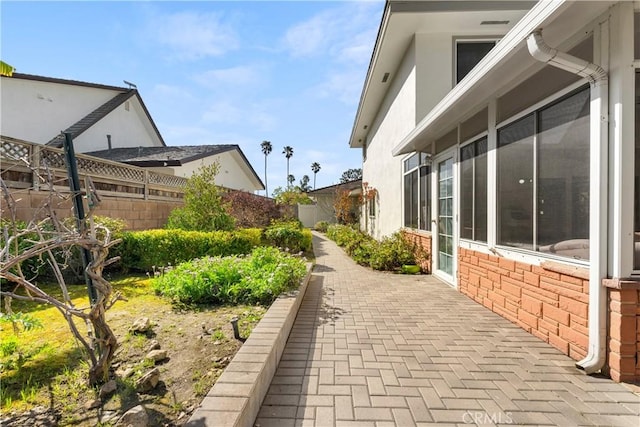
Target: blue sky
(213,72)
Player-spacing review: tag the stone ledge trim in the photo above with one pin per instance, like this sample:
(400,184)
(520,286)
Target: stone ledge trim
(235,399)
(618,283)
(579,272)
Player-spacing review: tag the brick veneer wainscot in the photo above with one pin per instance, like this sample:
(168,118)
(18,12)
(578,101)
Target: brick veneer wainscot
(548,301)
(623,338)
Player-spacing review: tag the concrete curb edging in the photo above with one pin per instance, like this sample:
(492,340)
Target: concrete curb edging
(235,399)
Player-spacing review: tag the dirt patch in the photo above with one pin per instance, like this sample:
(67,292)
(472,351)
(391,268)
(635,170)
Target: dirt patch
(199,345)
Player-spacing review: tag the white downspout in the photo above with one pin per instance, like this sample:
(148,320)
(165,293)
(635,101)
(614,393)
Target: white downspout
(599,137)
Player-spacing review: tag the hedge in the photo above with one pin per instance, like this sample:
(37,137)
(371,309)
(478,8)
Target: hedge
(144,250)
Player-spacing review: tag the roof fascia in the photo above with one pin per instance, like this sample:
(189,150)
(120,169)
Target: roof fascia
(153,124)
(536,17)
(55,80)
(397,7)
(153,163)
(252,171)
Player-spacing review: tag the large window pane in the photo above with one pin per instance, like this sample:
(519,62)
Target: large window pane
(467,153)
(515,184)
(468,54)
(411,200)
(563,177)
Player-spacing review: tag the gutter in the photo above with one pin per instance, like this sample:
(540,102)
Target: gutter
(599,137)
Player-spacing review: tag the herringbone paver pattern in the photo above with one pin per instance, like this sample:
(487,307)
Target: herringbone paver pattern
(377,349)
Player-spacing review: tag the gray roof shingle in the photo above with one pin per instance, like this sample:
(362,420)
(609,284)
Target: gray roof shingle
(157,156)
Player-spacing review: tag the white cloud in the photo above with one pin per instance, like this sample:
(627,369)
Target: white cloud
(171,93)
(190,35)
(346,32)
(245,75)
(228,113)
(344,86)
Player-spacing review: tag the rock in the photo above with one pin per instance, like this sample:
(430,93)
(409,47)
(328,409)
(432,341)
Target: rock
(108,416)
(92,404)
(135,417)
(157,355)
(107,389)
(141,325)
(148,381)
(126,373)
(153,345)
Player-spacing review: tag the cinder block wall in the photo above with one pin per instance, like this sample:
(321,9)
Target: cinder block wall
(550,302)
(139,214)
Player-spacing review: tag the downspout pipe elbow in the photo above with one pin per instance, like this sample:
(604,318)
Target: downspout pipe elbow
(539,50)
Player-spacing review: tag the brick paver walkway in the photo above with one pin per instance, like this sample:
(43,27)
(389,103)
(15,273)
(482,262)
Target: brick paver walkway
(376,349)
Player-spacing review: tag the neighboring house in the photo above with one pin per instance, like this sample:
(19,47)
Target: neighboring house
(517,165)
(109,122)
(235,170)
(324,201)
(38,109)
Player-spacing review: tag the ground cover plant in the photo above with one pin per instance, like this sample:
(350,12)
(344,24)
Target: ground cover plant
(255,279)
(43,371)
(389,254)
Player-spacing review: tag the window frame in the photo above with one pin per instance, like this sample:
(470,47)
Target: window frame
(534,111)
(423,161)
(483,135)
(467,39)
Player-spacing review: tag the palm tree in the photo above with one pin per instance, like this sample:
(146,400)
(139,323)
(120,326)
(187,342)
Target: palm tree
(266,150)
(291,179)
(288,153)
(315,167)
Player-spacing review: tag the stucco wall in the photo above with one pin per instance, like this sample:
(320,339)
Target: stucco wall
(127,125)
(232,174)
(380,170)
(37,111)
(54,106)
(434,67)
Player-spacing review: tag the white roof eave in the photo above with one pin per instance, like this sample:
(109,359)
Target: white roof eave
(540,14)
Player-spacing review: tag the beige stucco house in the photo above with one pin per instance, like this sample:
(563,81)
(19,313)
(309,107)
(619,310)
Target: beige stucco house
(504,137)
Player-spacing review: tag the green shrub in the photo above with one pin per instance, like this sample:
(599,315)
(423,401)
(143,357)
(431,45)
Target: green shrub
(289,235)
(321,226)
(204,209)
(389,254)
(258,278)
(144,250)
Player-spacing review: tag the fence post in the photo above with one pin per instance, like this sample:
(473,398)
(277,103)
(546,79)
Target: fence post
(74,185)
(35,181)
(146,185)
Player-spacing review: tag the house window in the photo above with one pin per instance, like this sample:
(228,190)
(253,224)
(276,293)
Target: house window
(469,53)
(372,206)
(543,179)
(473,186)
(417,192)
